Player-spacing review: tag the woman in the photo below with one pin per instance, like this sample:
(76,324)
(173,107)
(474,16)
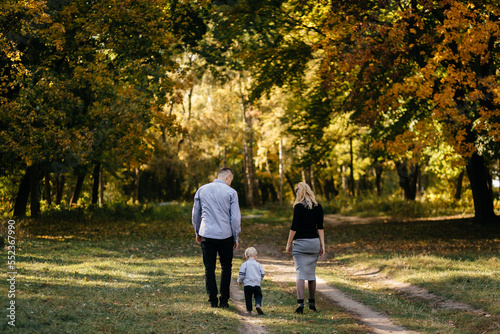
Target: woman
(308,237)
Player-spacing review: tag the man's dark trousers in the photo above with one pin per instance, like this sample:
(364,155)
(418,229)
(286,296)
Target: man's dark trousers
(210,249)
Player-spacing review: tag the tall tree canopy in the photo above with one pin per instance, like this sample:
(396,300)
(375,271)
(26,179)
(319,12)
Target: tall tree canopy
(170,89)
(83,81)
(411,71)
(419,68)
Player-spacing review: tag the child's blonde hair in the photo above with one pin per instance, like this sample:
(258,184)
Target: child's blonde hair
(250,252)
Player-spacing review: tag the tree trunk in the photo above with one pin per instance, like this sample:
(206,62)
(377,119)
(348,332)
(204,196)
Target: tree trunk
(268,169)
(414,180)
(249,189)
(224,158)
(251,183)
(138,196)
(408,178)
(23,194)
(281,172)
(101,188)
(48,189)
(481,190)
(313,180)
(96,177)
(35,192)
(378,179)
(458,188)
(190,101)
(264,191)
(59,185)
(78,189)
(136,184)
(351,165)
(273,193)
(345,181)
(305,176)
(290,183)
(330,189)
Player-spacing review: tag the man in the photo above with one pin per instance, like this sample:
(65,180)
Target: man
(217,222)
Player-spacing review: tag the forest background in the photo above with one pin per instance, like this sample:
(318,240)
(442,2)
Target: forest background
(383,104)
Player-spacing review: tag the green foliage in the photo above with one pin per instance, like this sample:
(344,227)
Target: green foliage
(8,190)
(398,208)
(84,83)
(161,93)
(120,212)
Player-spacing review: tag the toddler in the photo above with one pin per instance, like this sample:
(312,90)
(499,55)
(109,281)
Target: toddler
(250,275)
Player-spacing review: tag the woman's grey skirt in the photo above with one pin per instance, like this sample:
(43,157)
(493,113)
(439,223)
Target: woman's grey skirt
(305,255)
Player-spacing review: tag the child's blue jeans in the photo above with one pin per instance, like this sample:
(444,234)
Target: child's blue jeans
(254,291)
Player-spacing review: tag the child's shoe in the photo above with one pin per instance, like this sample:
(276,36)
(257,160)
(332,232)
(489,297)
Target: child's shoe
(259,309)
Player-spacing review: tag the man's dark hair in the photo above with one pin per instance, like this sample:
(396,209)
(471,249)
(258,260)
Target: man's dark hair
(225,170)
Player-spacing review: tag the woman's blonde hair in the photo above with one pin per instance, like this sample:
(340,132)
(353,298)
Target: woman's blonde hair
(250,252)
(305,195)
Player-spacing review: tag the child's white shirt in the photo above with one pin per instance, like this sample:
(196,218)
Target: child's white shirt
(251,273)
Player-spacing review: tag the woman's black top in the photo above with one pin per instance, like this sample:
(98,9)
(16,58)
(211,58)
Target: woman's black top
(306,222)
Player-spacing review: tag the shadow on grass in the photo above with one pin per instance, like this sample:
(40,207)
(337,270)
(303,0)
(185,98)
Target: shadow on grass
(137,277)
(457,239)
(128,291)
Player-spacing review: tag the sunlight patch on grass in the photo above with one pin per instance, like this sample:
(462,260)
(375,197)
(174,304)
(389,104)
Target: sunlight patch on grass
(102,286)
(135,274)
(473,282)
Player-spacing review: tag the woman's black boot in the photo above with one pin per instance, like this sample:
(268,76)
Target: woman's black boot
(300,307)
(312,306)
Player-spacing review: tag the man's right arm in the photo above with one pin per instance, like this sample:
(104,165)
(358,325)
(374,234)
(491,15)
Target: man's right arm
(235,216)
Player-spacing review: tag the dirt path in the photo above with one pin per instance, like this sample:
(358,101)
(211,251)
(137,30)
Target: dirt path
(280,268)
(250,324)
(414,291)
(335,219)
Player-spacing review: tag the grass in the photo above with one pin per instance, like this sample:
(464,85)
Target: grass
(101,275)
(476,285)
(429,204)
(138,270)
(279,302)
(454,259)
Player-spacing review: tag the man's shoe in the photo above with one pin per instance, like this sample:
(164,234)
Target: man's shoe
(214,302)
(224,304)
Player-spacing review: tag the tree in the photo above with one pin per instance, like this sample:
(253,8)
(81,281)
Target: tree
(403,68)
(412,65)
(93,77)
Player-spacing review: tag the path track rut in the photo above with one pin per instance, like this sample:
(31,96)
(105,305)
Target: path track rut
(281,270)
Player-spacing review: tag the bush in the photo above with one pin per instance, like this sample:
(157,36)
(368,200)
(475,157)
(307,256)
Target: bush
(119,211)
(396,207)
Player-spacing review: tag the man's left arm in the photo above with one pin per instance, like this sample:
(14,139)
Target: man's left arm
(235,216)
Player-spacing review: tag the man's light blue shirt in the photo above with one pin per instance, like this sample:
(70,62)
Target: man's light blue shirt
(216,212)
